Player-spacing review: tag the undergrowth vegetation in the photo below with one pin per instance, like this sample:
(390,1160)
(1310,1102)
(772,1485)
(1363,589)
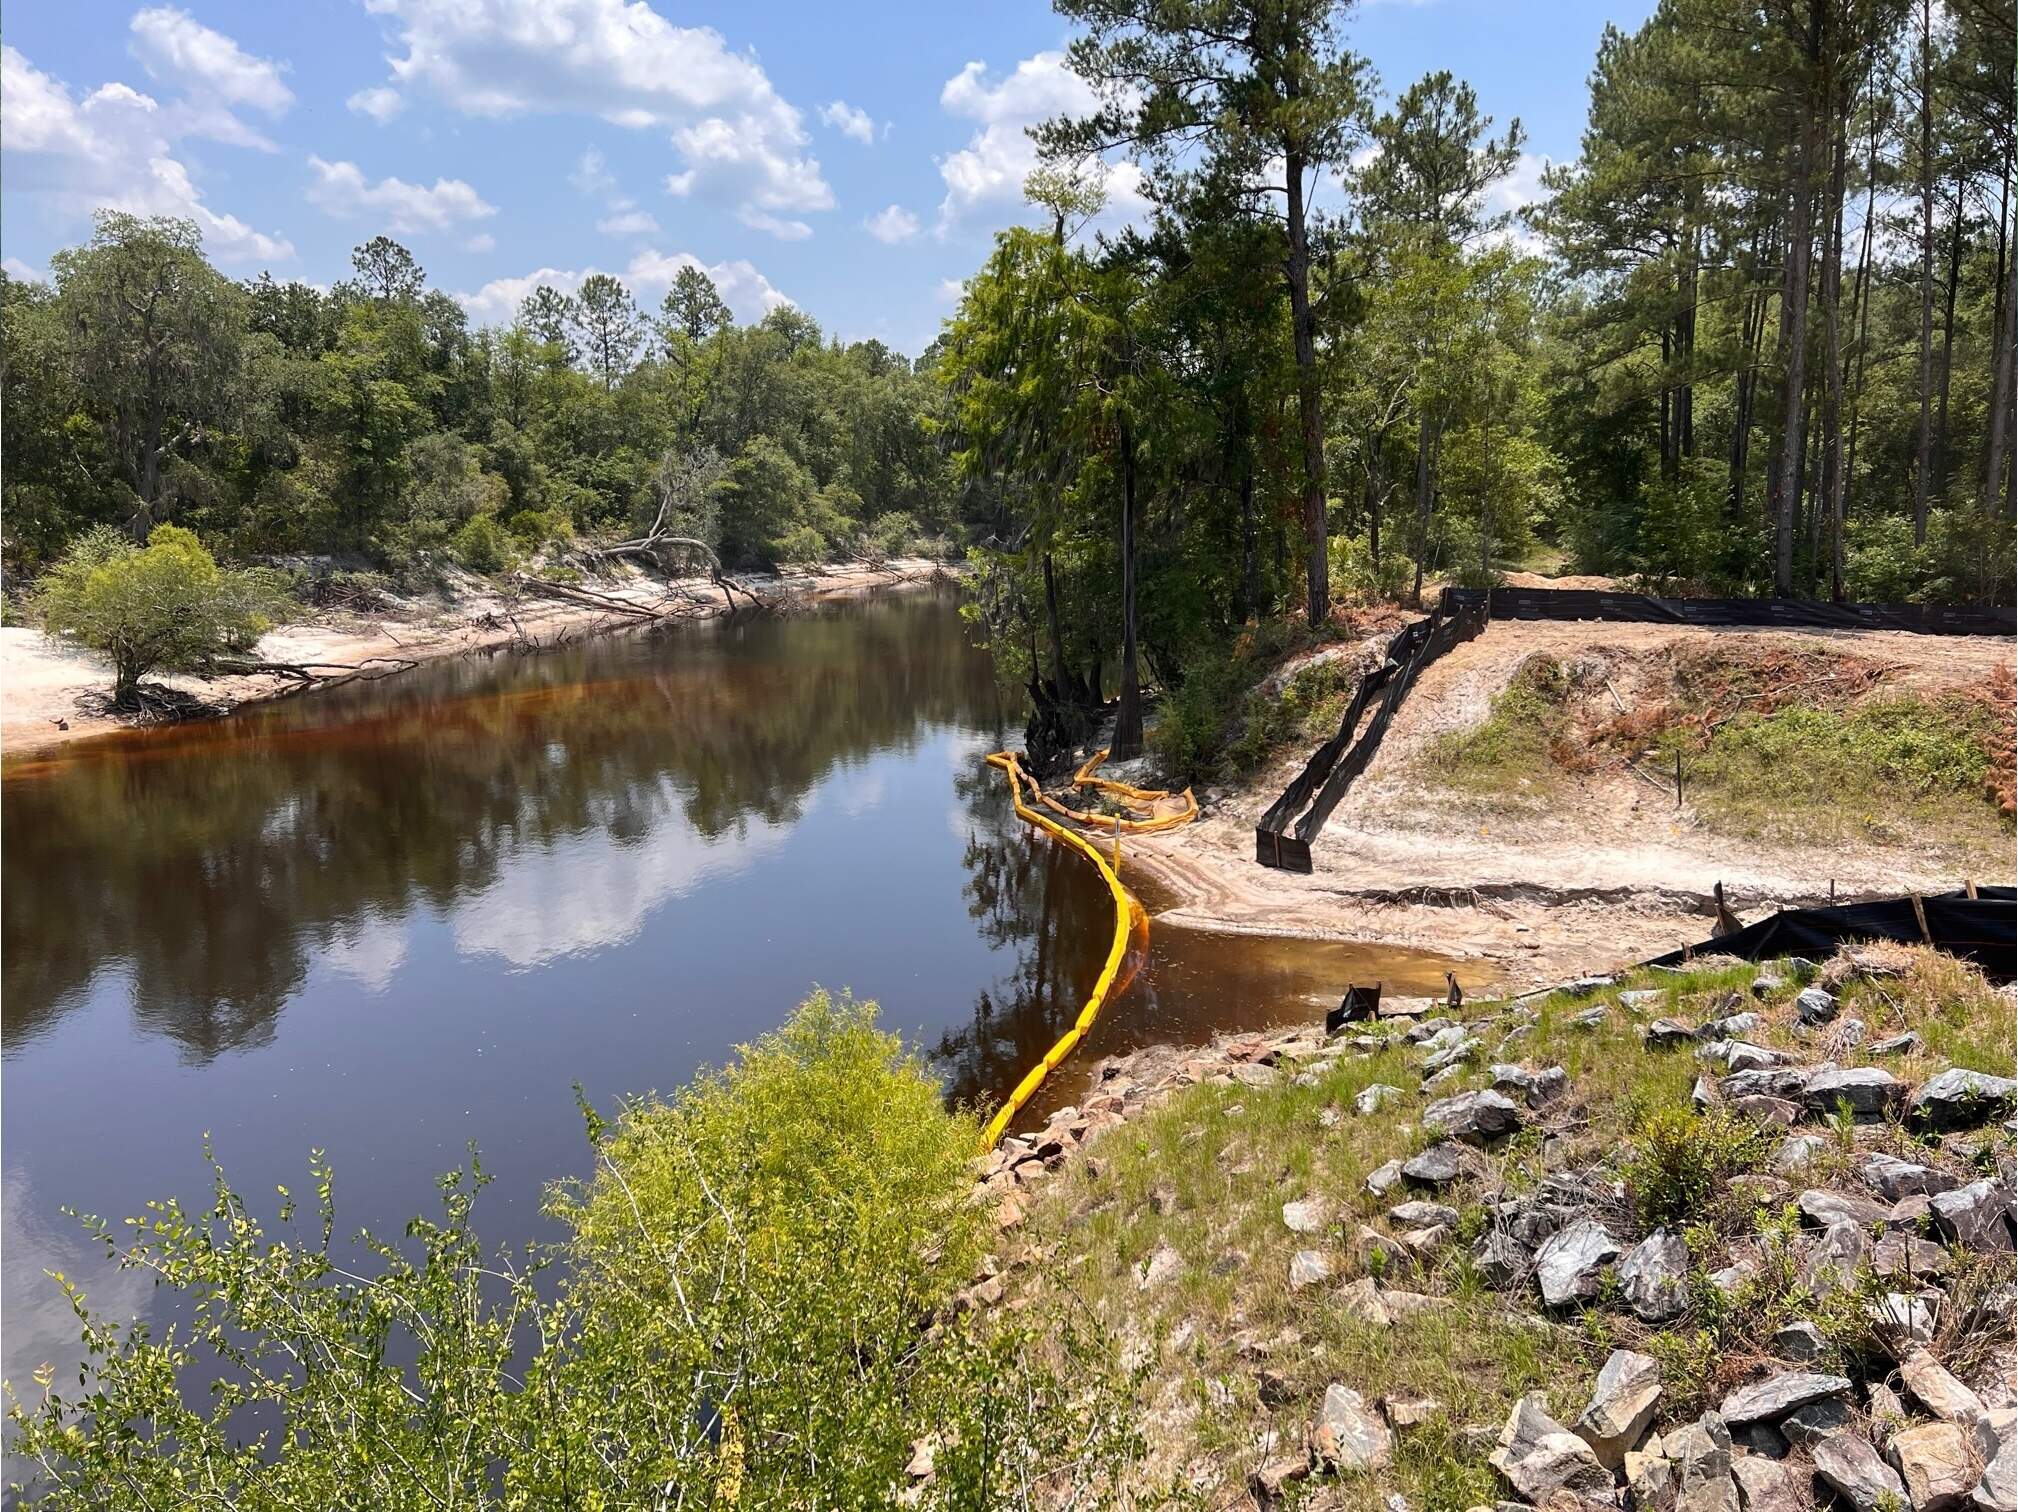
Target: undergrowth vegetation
(750,1310)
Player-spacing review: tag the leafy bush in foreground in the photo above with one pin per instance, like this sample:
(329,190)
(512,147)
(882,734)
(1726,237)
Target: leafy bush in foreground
(744,1313)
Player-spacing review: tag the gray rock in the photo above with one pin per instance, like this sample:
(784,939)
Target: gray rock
(1777,1395)
(1816,1005)
(1424,1030)
(1622,1404)
(1935,1463)
(1977,1216)
(1502,1260)
(1850,1033)
(1476,1117)
(1308,1268)
(1799,1342)
(1384,1178)
(1902,1321)
(1998,1490)
(1654,1278)
(1775,1112)
(1852,1469)
(1590,1018)
(1870,1091)
(1307,1217)
(1766,1485)
(1643,999)
(1551,1082)
(1835,1259)
(1584,986)
(1766,983)
(1769,1081)
(1702,1454)
(1567,1264)
(1700,1096)
(1908,1043)
(1959,1099)
(1513,1081)
(1894,1179)
(1348,1434)
(1823,1208)
(1667,1034)
(1732,1026)
(1936,1388)
(1795,1151)
(1422,1215)
(1444,1038)
(1808,1426)
(1249,1074)
(1742,1055)
(1436,1167)
(1435,1079)
(1375,1097)
(1538,1457)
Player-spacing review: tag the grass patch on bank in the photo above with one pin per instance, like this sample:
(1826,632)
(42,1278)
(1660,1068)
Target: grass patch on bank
(1236,1361)
(1886,771)
(1511,754)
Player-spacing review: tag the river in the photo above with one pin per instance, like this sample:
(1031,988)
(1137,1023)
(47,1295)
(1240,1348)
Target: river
(395,919)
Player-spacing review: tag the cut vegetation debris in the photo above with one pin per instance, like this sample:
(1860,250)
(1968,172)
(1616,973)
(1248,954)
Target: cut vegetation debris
(1757,1231)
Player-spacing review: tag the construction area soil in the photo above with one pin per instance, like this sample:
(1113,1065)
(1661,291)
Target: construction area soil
(1603,871)
(51,693)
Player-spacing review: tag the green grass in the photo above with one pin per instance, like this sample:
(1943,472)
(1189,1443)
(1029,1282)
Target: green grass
(1509,753)
(1886,771)
(1207,1170)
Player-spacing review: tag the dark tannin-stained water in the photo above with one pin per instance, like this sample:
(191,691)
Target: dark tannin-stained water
(394,919)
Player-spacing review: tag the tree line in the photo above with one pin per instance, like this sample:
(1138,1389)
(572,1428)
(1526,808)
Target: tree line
(1757,338)
(372,422)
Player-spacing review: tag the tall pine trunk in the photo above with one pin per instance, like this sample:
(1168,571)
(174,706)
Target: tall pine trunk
(1128,716)
(1921,451)
(1794,310)
(1303,326)
(1829,504)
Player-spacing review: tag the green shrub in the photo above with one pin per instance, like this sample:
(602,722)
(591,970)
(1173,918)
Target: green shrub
(891,535)
(534,528)
(802,545)
(1676,1159)
(164,606)
(1355,577)
(483,545)
(743,1315)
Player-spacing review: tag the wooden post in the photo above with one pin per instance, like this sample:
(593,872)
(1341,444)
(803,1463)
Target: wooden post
(1678,779)
(1920,914)
(1117,845)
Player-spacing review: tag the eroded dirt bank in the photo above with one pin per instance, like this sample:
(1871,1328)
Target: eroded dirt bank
(1602,870)
(51,693)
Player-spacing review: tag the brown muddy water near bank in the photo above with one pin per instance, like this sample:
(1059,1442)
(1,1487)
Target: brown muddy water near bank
(394,919)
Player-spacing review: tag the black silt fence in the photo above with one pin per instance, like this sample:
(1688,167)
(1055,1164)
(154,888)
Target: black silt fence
(1979,926)
(1786,614)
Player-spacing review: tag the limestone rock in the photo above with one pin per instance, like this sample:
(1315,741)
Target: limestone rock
(1934,1462)
(1702,1454)
(1307,1217)
(1977,1216)
(1622,1404)
(1308,1268)
(1852,1469)
(1668,1034)
(1815,1005)
(1869,1090)
(1902,1321)
(1655,1276)
(1836,1257)
(1642,999)
(1908,1043)
(1383,1179)
(1777,1395)
(1894,1179)
(1476,1117)
(1374,1098)
(1538,1456)
(1438,1166)
(1423,1215)
(1273,1476)
(1936,1389)
(1158,1268)
(1800,1342)
(1566,1266)
(1409,1412)
(1998,1490)
(1808,1426)
(1795,1151)
(1959,1099)
(1502,1259)
(1766,1485)
(1348,1434)
(1361,1299)
(1590,1018)
(1767,1081)
(1822,1208)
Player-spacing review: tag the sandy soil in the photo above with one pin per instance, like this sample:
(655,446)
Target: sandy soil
(1604,874)
(51,693)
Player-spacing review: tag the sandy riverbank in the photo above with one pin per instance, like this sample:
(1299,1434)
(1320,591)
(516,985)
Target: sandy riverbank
(1604,872)
(51,693)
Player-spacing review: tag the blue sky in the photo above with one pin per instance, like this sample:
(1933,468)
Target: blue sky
(852,159)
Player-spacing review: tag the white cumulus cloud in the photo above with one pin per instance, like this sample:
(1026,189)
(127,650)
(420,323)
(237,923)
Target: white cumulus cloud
(986,176)
(648,275)
(115,149)
(342,189)
(741,143)
(172,45)
(628,223)
(378,102)
(892,224)
(850,121)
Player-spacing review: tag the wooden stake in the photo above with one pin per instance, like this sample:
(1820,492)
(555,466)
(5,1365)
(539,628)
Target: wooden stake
(1678,779)
(1920,913)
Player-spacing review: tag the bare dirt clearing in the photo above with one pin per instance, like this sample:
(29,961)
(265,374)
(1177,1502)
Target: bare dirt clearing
(1601,870)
